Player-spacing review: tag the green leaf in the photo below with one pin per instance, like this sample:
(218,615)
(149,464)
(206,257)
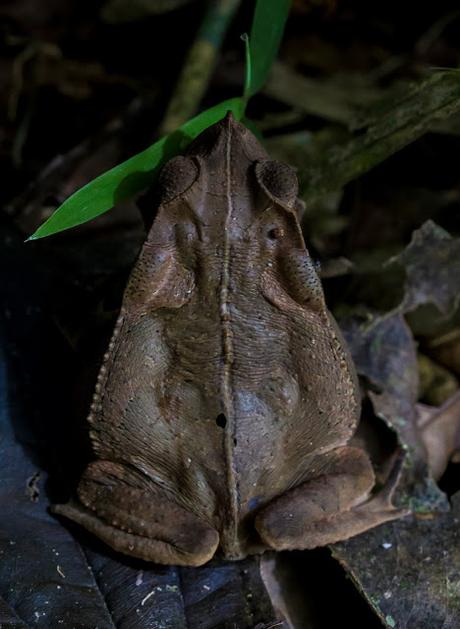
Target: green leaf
(138,172)
(248,73)
(133,175)
(267,30)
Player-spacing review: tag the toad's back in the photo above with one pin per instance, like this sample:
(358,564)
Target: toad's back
(225,375)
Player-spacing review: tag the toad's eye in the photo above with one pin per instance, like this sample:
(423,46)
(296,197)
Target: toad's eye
(176,177)
(275,233)
(278,180)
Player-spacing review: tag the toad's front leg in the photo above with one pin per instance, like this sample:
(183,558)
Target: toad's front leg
(122,509)
(333,506)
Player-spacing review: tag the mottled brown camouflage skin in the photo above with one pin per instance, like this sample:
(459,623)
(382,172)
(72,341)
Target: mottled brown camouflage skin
(226,399)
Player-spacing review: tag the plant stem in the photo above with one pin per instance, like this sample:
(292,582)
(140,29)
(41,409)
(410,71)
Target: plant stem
(199,64)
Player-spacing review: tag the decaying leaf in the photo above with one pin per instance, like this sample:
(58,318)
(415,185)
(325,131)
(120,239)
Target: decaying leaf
(432,265)
(437,383)
(408,570)
(445,349)
(440,428)
(384,353)
(33,543)
(8,618)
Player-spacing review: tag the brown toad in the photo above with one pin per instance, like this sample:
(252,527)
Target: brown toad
(226,400)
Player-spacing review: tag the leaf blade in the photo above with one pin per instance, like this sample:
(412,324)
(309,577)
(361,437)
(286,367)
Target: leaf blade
(131,176)
(248,72)
(266,32)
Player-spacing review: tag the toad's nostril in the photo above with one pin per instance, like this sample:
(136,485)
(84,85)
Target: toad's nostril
(275,233)
(221,420)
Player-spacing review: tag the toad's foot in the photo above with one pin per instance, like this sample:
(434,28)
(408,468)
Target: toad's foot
(136,521)
(330,508)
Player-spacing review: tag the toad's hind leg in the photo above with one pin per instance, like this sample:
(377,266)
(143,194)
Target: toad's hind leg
(137,521)
(333,506)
